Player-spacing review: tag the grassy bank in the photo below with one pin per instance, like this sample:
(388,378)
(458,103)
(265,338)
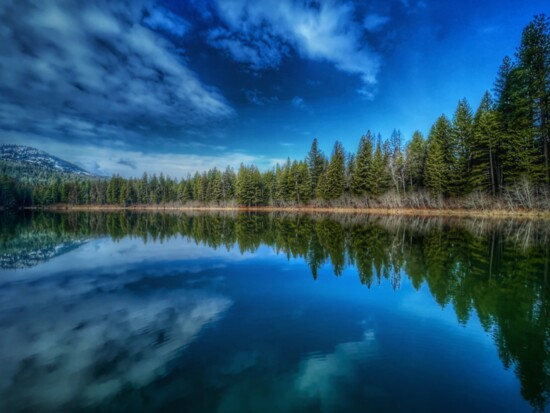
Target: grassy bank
(486,213)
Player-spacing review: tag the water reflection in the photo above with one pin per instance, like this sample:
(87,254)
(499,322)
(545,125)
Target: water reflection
(82,339)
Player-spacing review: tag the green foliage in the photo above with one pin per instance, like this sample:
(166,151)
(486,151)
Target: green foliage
(249,186)
(505,143)
(13,194)
(316,163)
(458,148)
(333,180)
(435,167)
(485,148)
(363,165)
(493,272)
(533,57)
(377,175)
(415,160)
(520,156)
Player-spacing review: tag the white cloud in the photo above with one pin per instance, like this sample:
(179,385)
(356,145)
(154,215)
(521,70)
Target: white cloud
(374,22)
(298,102)
(325,31)
(119,158)
(112,337)
(159,18)
(259,50)
(258,98)
(95,69)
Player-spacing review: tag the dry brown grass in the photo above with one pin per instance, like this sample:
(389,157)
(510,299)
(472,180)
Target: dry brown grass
(443,212)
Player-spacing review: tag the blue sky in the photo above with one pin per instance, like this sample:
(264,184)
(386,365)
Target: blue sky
(174,86)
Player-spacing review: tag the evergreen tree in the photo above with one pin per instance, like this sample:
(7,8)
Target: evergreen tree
(143,187)
(363,163)
(396,161)
(534,66)
(322,190)
(228,184)
(485,148)
(249,186)
(377,177)
(520,155)
(302,181)
(316,162)
(435,167)
(458,148)
(285,188)
(437,172)
(350,170)
(415,159)
(269,183)
(334,180)
(215,191)
(154,190)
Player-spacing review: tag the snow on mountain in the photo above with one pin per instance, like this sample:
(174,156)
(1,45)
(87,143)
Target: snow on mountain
(26,155)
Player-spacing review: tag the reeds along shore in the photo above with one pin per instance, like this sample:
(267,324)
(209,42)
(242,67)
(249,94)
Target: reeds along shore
(393,211)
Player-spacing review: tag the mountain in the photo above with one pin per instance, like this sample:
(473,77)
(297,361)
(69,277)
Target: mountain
(33,165)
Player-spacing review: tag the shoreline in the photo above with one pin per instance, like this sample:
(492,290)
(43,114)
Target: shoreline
(436,212)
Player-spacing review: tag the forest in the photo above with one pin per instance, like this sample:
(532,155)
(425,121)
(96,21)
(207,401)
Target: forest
(496,156)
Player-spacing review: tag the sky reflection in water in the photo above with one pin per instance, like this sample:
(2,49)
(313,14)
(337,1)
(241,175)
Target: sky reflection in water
(221,313)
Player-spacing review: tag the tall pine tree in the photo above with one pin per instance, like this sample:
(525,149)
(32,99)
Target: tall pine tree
(363,163)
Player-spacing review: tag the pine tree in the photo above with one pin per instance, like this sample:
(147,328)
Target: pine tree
(249,186)
(334,184)
(228,184)
(143,197)
(435,167)
(316,162)
(458,148)
(363,163)
(377,177)
(485,148)
(415,159)
(154,190)
(215,192)
(301,182)
(198,188)
(350,170)
(269,183)
(534,65)
(285,188)
(322,190)
(520,155)
(396,161)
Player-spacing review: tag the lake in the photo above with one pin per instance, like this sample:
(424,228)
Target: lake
(226,312)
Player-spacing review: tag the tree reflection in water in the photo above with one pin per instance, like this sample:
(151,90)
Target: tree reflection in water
(497,269)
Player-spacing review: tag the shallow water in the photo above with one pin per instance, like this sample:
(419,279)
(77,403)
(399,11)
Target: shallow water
(271,312)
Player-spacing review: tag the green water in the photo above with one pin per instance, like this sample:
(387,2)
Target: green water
(272,312)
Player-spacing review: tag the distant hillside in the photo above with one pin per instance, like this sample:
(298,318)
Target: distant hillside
(33,165)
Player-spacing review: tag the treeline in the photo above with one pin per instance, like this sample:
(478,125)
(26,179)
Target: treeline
(497,155)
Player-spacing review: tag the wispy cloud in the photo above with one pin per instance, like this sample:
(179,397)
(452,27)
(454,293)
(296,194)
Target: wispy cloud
(120,158)
(125,162)
(159,18)
(97,69)
(298,102)
(374,22)
(256,97)
(259,50)
(109,324)
(258,33)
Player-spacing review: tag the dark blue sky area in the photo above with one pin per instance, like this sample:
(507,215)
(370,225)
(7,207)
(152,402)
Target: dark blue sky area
(174,86)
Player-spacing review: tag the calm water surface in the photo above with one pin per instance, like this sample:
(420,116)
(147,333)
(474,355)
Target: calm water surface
(272,313)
